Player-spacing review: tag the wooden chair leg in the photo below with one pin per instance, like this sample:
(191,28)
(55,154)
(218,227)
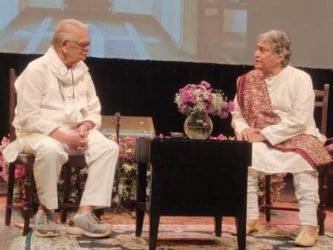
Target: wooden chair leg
(66,190)
(27,214)
(27,210)
(268,201)
(10,193)
(323,190)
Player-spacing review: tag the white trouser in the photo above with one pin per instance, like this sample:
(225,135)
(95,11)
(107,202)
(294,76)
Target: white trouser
(306,191)
(101,157)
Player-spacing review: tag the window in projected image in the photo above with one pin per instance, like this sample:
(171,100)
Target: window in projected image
(217,31)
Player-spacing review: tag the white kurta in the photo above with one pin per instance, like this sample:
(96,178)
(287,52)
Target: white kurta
(50,96)
(292,98)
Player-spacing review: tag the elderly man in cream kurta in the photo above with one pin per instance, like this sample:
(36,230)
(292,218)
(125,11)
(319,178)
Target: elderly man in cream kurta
(274,110)
(57,114)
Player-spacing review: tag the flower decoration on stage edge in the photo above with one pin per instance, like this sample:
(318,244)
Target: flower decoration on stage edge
(125,182)
(201,98)
(3,166)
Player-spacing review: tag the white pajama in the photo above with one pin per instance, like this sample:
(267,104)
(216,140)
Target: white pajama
(101,157)
(306,191)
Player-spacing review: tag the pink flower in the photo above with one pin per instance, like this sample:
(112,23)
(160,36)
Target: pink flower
(224,114)
(220,137)
(19,171)
(188,98)
(131,141)
(209,97)
(4,142)
(205,84)
(202,99)
(73,179)
(231,106)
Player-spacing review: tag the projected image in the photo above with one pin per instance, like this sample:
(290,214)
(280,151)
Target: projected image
(171,30)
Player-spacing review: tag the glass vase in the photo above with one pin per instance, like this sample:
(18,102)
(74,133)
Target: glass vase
(198,126)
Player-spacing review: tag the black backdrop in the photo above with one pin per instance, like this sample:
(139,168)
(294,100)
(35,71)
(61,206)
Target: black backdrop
(147,88)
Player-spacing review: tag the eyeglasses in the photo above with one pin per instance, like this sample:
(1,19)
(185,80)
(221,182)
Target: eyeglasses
(82,45)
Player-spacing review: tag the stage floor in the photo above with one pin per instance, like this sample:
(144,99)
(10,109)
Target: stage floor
(125,221)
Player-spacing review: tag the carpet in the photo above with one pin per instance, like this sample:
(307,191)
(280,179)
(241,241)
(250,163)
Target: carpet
(177,237)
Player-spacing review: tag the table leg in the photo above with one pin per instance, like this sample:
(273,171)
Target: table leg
(139,222)
(140,197)
(218,225)
(153,229)
(241,232)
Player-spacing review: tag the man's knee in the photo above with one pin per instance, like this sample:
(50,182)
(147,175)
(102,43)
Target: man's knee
(113,146)
(110,147)
(50,148)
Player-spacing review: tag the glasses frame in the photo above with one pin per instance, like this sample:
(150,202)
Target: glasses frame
(82,45)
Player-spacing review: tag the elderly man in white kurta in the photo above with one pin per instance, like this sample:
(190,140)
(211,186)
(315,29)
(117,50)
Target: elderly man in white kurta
(57,114)
(274,110)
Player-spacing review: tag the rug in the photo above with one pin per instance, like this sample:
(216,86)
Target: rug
(177,237)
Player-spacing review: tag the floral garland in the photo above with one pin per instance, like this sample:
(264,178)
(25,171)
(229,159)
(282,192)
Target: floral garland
(125,180)
(3,166)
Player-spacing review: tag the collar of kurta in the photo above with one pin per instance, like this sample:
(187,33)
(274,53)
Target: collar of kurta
(61,72)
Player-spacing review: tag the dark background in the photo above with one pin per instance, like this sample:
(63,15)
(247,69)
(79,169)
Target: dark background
(147,88)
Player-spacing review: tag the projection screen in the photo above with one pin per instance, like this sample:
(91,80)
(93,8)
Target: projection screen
(213,31)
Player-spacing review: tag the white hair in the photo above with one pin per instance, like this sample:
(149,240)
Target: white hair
(65,30)
(280,42)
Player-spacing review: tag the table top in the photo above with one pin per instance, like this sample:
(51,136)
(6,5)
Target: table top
(183,151)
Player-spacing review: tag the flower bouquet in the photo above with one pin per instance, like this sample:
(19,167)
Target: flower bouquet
(198,101)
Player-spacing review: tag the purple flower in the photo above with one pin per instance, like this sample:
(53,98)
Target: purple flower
(201,99)
(220,137)
(4,142)
(205,84)
(131,141)
(231,106)
(188,97)
(224,114)
(73,179)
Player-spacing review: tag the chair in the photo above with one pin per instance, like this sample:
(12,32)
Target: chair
(28,208)
(25,159)
(321,104)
